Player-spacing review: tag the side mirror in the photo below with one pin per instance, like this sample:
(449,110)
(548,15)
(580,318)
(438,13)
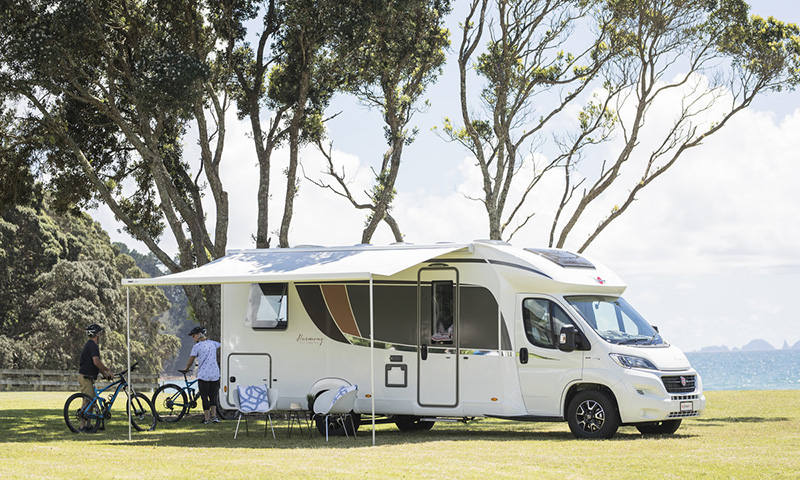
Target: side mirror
(567,339)
(655,328)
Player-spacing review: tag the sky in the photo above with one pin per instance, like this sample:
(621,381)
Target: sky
(710,251)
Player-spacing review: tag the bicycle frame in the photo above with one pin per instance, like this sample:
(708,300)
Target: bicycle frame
(105,405)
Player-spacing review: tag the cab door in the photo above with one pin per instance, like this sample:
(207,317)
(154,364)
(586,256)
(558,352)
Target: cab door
(545,372)
(437,326)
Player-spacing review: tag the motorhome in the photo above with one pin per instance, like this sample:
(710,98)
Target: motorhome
(447,332)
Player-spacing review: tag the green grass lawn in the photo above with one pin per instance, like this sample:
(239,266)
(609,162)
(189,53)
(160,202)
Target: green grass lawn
(744,434)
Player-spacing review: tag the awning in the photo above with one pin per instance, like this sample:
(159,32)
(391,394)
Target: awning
(303,264)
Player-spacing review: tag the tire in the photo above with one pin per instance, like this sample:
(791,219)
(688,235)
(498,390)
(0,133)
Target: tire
(170,403)
(337,425)
(592,414)
(143,415)
(225,414)
(665,427)
(73,415)
(410,423)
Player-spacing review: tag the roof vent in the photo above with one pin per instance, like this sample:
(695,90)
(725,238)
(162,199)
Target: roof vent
(562,258)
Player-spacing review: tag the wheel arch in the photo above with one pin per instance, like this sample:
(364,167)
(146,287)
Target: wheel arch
(325,384)
(579,387)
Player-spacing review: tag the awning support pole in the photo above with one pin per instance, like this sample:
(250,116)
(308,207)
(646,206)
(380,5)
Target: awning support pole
(372,355)
(128,321)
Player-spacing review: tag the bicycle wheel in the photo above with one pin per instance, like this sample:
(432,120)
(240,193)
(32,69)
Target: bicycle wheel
(74,413)
(143,415)
(170,403)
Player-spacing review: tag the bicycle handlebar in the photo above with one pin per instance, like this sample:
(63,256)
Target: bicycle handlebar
(133,367)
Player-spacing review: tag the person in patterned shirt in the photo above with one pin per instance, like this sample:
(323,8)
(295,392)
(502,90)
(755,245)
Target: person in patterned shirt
(205,352)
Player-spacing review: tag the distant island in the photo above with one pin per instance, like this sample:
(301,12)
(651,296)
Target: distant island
(754,346)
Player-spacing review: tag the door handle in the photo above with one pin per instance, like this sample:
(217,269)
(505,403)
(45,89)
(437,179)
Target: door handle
(523,355)
(424,352)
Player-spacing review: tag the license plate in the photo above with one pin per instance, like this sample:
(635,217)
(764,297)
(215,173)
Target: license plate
(686,407)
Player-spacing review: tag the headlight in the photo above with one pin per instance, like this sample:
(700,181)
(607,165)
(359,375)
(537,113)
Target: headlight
(629,361)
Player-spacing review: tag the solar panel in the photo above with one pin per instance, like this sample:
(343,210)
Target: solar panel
(562,258)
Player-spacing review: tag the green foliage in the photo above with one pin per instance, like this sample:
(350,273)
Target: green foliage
(61,273)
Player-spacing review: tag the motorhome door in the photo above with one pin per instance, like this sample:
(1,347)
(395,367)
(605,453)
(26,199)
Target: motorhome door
(438,323)
(247,369)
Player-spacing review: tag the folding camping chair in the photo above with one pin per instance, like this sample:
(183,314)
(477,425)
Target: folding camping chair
(256,400)
(336,405)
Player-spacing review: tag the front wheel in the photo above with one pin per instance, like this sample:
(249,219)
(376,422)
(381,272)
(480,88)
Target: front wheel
(143,415)
(74,412)
(666,427)
(592,414)
(170,403)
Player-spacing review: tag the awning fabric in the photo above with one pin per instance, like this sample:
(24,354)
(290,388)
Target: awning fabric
(303,264)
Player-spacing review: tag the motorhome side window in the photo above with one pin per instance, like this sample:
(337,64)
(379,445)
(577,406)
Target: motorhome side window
(267,306)
(543,320)
(442,314)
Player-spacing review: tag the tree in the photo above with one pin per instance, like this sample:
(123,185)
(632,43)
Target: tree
(639,52)
(522,60)
(71,276)
(250,67)
(304,80)
(402,53)
(718,59)
(114,86)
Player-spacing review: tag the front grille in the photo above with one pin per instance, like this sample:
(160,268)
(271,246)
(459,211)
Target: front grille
(679,383)
(685,397)
(692,413)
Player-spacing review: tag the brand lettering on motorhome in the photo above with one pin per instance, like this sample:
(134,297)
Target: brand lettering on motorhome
(309,340)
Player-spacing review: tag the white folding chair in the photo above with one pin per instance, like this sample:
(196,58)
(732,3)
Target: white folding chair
(256,399)
(336,405)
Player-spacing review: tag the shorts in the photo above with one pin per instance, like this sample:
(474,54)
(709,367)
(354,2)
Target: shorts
(87,385)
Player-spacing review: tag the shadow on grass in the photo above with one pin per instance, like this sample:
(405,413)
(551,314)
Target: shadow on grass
(42,426)
(719,421)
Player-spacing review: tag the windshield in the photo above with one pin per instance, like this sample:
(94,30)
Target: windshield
(615,320)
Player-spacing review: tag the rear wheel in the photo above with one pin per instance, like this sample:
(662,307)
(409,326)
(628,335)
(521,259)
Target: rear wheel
(411,423)
(143,415)
(74,413)
(170,403)
(226,414)
(592,414)
(666,427)
(338,423)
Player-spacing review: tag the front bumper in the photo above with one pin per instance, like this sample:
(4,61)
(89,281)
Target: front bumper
(643,397)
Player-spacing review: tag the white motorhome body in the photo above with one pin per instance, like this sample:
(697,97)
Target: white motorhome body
(460,330)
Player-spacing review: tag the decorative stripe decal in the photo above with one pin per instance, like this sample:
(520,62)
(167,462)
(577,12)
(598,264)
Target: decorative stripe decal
(521,267)
(339,306)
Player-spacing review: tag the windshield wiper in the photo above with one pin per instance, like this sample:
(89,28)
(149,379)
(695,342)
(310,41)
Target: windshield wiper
(633,341)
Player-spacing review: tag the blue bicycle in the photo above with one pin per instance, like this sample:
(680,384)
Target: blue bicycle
(172,401)
(87,414)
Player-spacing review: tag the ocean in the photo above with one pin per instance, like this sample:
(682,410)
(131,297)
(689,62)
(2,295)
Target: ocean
(764,370)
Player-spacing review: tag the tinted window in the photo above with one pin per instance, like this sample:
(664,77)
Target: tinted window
(267,306)
(543,320)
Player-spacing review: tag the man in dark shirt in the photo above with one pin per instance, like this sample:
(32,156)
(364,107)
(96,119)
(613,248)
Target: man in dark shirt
(91,365)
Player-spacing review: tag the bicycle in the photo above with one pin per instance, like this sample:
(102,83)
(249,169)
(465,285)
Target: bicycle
(172,402)
(95,410)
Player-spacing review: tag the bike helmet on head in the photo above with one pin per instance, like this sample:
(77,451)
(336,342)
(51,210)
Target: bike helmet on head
(201,330)
(93,329)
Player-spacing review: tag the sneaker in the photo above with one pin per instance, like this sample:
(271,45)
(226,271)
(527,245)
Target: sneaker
(216,420)
(205,422)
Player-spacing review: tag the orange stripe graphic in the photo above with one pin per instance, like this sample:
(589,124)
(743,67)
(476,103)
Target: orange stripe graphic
(339,306)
